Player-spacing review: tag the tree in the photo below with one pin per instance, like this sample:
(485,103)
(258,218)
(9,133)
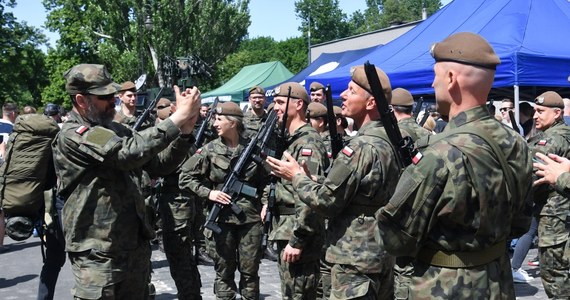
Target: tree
(22,61)
(132,37)
(324,18)
(384,13)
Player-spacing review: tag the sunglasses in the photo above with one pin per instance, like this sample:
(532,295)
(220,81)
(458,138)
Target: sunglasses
(162,106)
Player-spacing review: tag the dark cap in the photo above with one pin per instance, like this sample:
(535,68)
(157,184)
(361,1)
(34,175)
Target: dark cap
(315,86)
(402,97)
(359,77)
(19,228)
(90,79)
(297,91)
(229,109)
(163,108)
(257,90)
(316,110)
(51,109)
(550,99)
(128,86)
(466,48)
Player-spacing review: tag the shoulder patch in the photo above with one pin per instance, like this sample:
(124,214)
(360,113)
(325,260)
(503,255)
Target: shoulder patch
(100,136)
(329,154)
(542,143)
(347,151)
(306,152)
(81,129)
(199,151)
(416,159)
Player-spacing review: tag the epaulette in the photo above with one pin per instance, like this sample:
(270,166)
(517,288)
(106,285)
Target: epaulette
(81,129)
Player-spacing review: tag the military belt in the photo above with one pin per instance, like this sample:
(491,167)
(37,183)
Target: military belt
(460,259)
(358,210)
(284,210)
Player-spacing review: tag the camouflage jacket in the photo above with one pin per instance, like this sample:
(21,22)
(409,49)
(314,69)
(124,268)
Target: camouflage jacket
(552,206)
(206,170)
(455,198)
(408,126)
(326,137)
(562,185)
(99,171)
(120,117)
(252,122)
(294,221)
(361,180)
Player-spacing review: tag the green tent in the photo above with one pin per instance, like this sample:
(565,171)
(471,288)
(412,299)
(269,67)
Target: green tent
(236,89)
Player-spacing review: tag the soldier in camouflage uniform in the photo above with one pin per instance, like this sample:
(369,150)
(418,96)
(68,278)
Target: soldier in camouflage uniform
(99,164)
(551,207)
(176,209)
(402,102)
(297,230)
(255,116)
(362,179)
(317,94)
(127,114)
(317,117)
(453,210)
(238,246)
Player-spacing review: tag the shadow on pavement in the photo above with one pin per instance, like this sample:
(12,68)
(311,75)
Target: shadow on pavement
(165,296)
(15,246)
(5,283)
(157,264)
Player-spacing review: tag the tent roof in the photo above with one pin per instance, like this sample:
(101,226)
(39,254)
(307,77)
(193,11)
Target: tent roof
(263,74)
(529,36)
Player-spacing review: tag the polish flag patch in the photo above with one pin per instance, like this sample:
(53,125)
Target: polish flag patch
(306,152)
(199,151)
(416,159)
(542,143)
(329,154)
(347,151)
(81,129)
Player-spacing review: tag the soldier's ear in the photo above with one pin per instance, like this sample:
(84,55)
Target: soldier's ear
(81,101)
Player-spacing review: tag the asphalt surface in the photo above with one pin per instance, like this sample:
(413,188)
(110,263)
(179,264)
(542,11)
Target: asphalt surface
(20,266)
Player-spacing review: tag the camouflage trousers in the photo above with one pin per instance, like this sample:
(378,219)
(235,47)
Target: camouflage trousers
(298,280)
(347,282)
(237,247)
(554,268)
(324,284)
(111,275)
(177,214)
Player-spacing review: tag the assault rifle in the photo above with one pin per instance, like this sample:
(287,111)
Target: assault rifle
(233,186)
(514,122)
(336,139)
(144,116)
(404,146)
(418,107)
(281,140)
(200,134)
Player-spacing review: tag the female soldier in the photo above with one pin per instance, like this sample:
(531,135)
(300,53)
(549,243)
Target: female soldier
(239,243)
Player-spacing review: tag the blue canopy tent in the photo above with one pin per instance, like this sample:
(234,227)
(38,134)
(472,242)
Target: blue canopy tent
(327,62)
(529,36)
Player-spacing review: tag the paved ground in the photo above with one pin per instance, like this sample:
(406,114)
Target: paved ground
(19,269)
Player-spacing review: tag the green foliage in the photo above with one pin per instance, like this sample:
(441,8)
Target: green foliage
(21,61)
(327,22)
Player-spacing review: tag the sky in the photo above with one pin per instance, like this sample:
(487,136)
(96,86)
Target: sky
(264,13)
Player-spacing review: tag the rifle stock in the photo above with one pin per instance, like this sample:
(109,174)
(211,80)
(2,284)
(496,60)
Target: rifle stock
(404,146)
(336,139)
(514,122)
(142,118)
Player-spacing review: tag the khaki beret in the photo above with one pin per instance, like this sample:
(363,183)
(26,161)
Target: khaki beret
(550,99)
(315,86)
(466,48)
(270,106)
(359,77)
(229,109)
(316,110)
(337,110)
(163,108)
(297,91)
(89,79)
(257,90)
(402,97)
(128,86)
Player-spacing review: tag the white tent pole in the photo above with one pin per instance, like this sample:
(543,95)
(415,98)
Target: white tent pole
(517,95)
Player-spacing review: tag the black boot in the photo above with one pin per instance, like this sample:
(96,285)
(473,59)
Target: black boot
(270,253)
(202,257)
